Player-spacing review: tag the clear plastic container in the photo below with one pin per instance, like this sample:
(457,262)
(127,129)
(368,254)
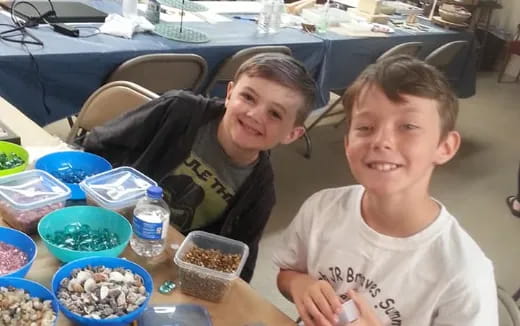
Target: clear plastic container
(179,314)
(28,196)
(117,190)
(202,282)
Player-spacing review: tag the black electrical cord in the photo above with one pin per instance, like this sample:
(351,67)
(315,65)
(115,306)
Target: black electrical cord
(91,34)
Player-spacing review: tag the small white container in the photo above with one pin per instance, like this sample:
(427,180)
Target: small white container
(117,190)
(28,196)
(129,8)
(202,282)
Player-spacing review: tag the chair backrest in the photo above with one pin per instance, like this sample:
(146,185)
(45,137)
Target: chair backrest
(108,102)
(442,57)
(227,69)
(508,312)
(410,48)
(162,72)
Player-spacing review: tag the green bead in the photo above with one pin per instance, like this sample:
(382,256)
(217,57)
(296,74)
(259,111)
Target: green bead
(167,287)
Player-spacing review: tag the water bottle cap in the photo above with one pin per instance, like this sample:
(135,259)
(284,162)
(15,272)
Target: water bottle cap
(154,192)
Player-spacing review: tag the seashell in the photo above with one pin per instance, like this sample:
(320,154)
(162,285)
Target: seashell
(121,300)
(82,276)
(38,305)
(103,292)
(89,309)
(74,286)
(94,297)
(89,285)
(129,277)
(100,277)
(114,292)
(116,277)
(94,316)
(131,307)
(140,300)
(142,289)
(131,298)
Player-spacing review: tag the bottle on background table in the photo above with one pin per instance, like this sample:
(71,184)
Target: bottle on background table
(270,17)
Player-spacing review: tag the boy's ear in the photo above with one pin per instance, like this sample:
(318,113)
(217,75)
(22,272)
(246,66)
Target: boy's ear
(295,133)
(448,147)
(229,90)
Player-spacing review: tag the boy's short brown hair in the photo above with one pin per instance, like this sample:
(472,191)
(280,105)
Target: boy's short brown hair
(286,71)
(406,75)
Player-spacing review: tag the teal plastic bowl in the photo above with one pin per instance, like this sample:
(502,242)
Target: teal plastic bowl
(95,217)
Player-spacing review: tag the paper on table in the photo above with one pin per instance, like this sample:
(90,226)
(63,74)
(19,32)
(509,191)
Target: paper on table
(173,15)
(232,7)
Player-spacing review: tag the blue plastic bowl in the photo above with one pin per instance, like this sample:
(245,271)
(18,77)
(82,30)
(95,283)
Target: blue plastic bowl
(23,242)
(93,216)
(66,271)
(88,162)
(34,289)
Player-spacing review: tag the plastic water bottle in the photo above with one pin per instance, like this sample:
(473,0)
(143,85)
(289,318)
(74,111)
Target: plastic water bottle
(270,17)
(129,8)
(150,224)
(323,22)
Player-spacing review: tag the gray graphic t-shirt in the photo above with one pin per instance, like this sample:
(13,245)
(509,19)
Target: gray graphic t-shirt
(200,188)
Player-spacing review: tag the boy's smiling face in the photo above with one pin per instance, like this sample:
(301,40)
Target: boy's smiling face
(260,114)
(394,147)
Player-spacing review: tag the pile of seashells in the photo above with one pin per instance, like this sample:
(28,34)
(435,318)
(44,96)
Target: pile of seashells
(101,292)
(17,307)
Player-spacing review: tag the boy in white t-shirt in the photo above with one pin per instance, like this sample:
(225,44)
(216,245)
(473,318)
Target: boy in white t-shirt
(397,252)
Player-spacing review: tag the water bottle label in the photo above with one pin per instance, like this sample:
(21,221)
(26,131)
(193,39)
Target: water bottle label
(147,230)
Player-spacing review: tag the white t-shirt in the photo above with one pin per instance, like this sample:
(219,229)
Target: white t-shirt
(438,276)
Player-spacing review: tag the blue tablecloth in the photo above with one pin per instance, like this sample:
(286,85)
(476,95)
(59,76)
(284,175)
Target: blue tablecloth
(347,56)
(67,70)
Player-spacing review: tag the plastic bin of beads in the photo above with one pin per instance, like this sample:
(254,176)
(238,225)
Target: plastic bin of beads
(117,190)
(28,196)
(72,167)
(208,263)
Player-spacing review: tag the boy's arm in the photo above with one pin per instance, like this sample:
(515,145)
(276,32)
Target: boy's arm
(472,303)
(259,213)
(124,138)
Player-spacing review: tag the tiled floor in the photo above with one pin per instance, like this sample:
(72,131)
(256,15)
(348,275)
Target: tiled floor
(473,186)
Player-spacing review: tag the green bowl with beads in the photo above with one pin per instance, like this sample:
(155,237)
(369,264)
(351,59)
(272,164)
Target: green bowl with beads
(77,232)
(12,151)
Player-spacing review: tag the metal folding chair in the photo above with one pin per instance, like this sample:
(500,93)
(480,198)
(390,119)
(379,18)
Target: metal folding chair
(226,71)
(163,72)
(106,103)
(443,56)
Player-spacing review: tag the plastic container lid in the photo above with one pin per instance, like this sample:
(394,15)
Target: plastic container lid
(117,188)
(173,315)
(32,189)
(207,240)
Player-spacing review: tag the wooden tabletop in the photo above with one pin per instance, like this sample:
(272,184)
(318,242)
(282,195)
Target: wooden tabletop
(240,306)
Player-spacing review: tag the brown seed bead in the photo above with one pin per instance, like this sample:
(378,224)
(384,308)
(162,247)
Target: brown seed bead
(213,259)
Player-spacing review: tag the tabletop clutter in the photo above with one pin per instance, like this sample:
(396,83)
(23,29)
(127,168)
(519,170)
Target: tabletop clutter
(123,207)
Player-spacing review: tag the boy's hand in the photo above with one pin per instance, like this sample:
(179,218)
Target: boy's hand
(367,314)
(316,301)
